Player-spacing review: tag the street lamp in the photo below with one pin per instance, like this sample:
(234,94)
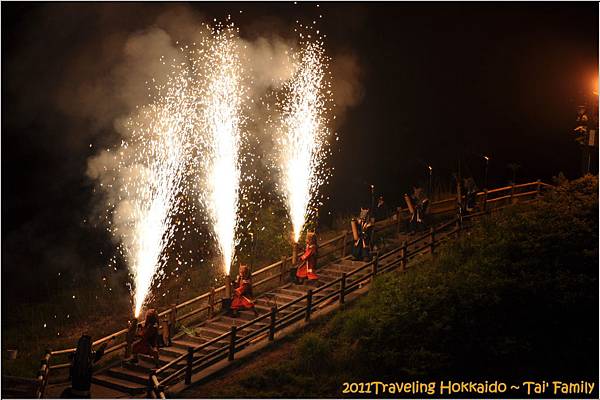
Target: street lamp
(372,199)
(485,175)
(430,173)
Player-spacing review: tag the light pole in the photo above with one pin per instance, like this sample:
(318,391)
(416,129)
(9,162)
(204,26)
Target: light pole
(372,199)
(485,175)
(430,174)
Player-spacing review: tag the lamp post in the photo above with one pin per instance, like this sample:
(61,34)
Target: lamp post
(372,199)
(430,176)
(485,175)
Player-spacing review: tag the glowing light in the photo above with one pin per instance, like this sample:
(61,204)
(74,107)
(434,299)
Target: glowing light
(302,140)
(222,119)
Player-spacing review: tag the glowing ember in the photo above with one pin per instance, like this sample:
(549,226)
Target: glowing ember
(302,140)
(222,119)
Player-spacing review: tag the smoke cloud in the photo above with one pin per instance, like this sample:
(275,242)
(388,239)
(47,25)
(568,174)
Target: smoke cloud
(117,56)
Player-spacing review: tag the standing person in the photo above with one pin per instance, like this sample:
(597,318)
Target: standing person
(148,344)
(361,248)
(381,210)
(418,206)
(306,270)
(471,195)
(242,295)
(81,369)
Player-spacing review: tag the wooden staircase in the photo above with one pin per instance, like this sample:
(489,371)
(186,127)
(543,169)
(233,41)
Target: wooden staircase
(132,379)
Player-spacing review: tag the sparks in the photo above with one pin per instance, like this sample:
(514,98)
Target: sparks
(302,141)
(151,166)
(223,119)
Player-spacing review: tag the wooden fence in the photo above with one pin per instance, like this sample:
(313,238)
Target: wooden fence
(210,303)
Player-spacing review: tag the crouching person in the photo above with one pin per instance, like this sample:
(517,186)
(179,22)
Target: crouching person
(148,344)
(306,270)
(242,295)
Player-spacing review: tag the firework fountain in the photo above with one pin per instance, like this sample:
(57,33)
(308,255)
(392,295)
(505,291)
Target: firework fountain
(152,167)
(222,119)
(302,141)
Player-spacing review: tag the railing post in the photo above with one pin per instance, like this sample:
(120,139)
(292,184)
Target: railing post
(512,193)
(432,240)
(232,343)
(538,189)
(345,239)
(343,288)
(43,372)
(485,196)
(404,255)
(190,364)
(283,272)
(211,302)
(308,304)
(375,264)
(272,325)
(150,390)
(172,322)
(398,219)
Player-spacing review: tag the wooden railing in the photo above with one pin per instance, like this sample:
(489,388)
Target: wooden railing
(275,274)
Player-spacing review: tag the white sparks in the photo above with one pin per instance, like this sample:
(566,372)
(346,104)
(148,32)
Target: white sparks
(302,142)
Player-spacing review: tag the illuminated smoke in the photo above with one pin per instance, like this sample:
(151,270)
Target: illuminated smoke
(303,132)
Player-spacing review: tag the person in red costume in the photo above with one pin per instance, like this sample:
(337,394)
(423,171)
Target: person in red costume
(242,296)
(149,338)
(309,259)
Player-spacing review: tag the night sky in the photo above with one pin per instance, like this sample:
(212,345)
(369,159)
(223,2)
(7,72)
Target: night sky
(439,82)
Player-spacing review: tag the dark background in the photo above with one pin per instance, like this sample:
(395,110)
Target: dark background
(440,82)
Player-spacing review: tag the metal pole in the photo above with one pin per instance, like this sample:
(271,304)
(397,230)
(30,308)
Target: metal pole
(485,176)
(430,175)
(372,200)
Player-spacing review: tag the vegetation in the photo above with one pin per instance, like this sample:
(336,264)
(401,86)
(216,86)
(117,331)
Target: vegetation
(517,298)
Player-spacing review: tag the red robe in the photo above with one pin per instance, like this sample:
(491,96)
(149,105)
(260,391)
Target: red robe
(241,296)
(309,262)
(149,342)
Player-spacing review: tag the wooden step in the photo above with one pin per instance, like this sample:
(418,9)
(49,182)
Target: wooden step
(129,375)
(340,267)
(280,302)
(142,366)
(184,344)
(171,351)
(282,294)
(162,358)
(292,292)
(227,328)
(209,332)
(236,321)
(119,384)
